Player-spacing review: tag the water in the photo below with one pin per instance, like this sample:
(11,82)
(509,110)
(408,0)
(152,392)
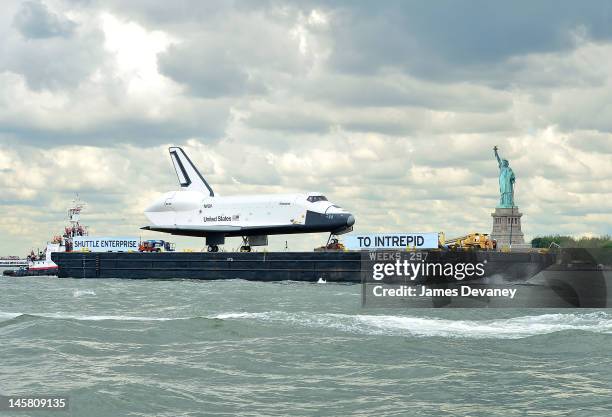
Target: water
(189,348)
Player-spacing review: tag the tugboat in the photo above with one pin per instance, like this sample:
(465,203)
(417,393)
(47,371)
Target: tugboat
(41,263)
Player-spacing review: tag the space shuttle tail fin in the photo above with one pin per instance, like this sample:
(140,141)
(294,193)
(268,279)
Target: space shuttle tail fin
(188,175)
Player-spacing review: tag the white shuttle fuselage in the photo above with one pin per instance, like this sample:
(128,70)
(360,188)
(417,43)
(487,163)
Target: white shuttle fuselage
(196,211)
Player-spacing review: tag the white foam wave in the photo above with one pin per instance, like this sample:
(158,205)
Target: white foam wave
(511,328)
(102,317)
(78,293)
(8,316)
(264,316)
(67,316)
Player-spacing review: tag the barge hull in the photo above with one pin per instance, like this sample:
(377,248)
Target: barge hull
(255,266)
(269,266)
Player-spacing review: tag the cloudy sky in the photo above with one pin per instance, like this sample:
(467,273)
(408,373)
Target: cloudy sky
(389,108)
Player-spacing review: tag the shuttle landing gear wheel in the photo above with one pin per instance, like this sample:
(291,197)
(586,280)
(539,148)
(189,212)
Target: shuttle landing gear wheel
(213,248)
(329,239)
(245,245)
(332,244)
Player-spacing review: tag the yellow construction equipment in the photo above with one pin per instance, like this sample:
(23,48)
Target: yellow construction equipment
(441,240)
(472,241)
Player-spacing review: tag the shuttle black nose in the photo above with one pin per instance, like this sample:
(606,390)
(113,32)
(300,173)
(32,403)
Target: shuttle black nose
(350,220)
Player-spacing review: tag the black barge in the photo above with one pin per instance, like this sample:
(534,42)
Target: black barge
(337,266)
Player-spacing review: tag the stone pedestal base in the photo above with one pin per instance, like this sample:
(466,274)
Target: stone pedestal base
(507,228)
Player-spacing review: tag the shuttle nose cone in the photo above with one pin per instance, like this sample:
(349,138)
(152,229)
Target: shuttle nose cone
(350,220)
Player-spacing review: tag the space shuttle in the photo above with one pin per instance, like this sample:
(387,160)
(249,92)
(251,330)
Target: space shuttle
(194,210)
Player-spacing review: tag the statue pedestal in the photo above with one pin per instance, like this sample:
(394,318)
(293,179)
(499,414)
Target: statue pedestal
(507,228)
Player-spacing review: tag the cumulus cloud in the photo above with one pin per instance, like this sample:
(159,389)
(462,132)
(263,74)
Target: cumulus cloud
(447,40)
(35,20)
(391,110)
(208,73)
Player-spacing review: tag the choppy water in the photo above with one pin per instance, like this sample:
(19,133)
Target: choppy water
(188,348)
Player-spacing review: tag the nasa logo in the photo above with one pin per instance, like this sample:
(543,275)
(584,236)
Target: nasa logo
(207,205)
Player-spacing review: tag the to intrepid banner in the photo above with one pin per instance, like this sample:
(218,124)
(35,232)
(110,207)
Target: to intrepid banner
(392,241)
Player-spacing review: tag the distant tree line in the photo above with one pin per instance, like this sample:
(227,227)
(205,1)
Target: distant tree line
(571,242)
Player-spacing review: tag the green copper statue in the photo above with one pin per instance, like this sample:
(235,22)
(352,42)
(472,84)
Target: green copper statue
(506,182)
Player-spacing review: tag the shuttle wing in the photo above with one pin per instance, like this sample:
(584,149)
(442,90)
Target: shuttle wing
(188,175)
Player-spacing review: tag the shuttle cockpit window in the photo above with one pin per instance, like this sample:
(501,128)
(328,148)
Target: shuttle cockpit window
(315,198)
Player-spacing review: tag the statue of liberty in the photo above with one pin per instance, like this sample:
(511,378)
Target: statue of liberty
(506,182)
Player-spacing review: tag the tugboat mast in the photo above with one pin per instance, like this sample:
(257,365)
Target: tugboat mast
(75,228)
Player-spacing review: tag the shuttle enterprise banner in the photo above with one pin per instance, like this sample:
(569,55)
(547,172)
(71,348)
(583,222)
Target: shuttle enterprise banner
(104,244)
(392,241)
